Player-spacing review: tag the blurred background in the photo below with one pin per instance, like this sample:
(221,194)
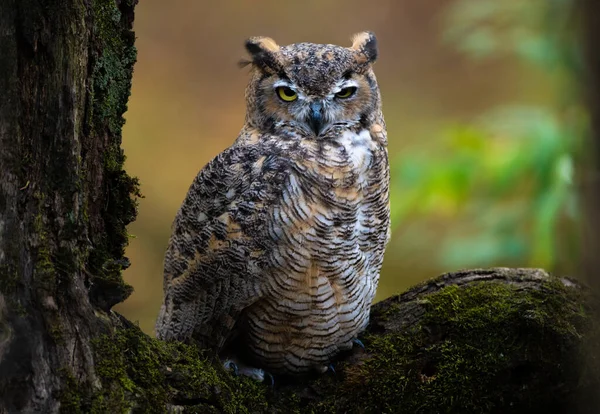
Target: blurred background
(482,103)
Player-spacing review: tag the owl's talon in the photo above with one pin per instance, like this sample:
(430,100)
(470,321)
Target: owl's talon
(330,368)
(240,369)
(359,343)
(271,378)
(232,366)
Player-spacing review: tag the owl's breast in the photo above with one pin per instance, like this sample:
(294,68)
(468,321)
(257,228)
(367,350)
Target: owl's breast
(343,162)
(329,225)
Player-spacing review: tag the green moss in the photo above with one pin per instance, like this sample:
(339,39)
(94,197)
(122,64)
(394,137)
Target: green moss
(113,67)
(143,374)
(44,274)
(70,399)
(8,279)
(474,351)
(9,271)
(484,348)
(113,61)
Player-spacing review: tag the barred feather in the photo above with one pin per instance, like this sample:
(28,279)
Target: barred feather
(280,240)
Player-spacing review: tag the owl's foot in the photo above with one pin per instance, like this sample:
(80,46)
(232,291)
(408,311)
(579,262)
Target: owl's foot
(358,342)
(256,374)
(229,365)
(331,368)
(270,378)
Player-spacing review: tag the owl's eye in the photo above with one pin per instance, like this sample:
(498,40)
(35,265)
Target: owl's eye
(287,94)
(346,92)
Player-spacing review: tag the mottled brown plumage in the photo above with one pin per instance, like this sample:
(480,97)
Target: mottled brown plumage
(276,250)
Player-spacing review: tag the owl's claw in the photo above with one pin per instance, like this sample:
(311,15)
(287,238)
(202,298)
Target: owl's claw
(331,368)
(270,377)
(241,369)
(231,366)
(359,343)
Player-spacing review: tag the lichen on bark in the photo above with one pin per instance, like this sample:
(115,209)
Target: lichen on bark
(112,62)
(65,199)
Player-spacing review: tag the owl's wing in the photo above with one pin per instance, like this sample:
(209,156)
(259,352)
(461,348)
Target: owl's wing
(213,264)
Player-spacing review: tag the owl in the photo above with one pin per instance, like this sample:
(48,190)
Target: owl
(275,253)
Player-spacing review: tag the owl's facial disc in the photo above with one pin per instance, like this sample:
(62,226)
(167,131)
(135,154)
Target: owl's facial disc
(316,112)
(311,90)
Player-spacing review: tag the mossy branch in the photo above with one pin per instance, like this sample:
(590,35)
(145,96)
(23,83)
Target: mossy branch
(479,341)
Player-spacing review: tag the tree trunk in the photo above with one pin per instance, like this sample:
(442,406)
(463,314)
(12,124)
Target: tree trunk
(499,340)
(590,25)
(65,73)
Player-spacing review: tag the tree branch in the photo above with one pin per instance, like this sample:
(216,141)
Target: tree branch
(478,341)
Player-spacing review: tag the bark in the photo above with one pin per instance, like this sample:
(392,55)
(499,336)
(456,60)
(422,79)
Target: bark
(590,25)
(590,19)
(65,71)
(499,340)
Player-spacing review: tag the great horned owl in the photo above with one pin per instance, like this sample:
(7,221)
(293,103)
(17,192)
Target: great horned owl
(276,251)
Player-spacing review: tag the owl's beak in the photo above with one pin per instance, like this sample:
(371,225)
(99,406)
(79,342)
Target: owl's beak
(315,117)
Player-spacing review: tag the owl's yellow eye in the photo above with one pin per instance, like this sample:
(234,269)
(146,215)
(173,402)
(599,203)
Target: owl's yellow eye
(346,92)
(287,94)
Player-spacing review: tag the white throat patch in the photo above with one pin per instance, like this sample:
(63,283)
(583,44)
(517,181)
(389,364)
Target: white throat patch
(359,147)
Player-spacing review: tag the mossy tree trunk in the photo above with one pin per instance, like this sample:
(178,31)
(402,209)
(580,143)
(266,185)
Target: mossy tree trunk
(590,12)
(65,73)
(590,19)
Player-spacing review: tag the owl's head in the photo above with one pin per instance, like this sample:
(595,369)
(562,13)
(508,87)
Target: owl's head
(308,88)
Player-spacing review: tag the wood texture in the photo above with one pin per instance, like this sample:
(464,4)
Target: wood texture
(65,70)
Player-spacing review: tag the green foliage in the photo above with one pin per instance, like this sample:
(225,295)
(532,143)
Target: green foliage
(533,30)
(506,181)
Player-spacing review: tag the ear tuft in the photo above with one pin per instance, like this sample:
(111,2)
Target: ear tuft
(260,44)
(262,51)
(365,44)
